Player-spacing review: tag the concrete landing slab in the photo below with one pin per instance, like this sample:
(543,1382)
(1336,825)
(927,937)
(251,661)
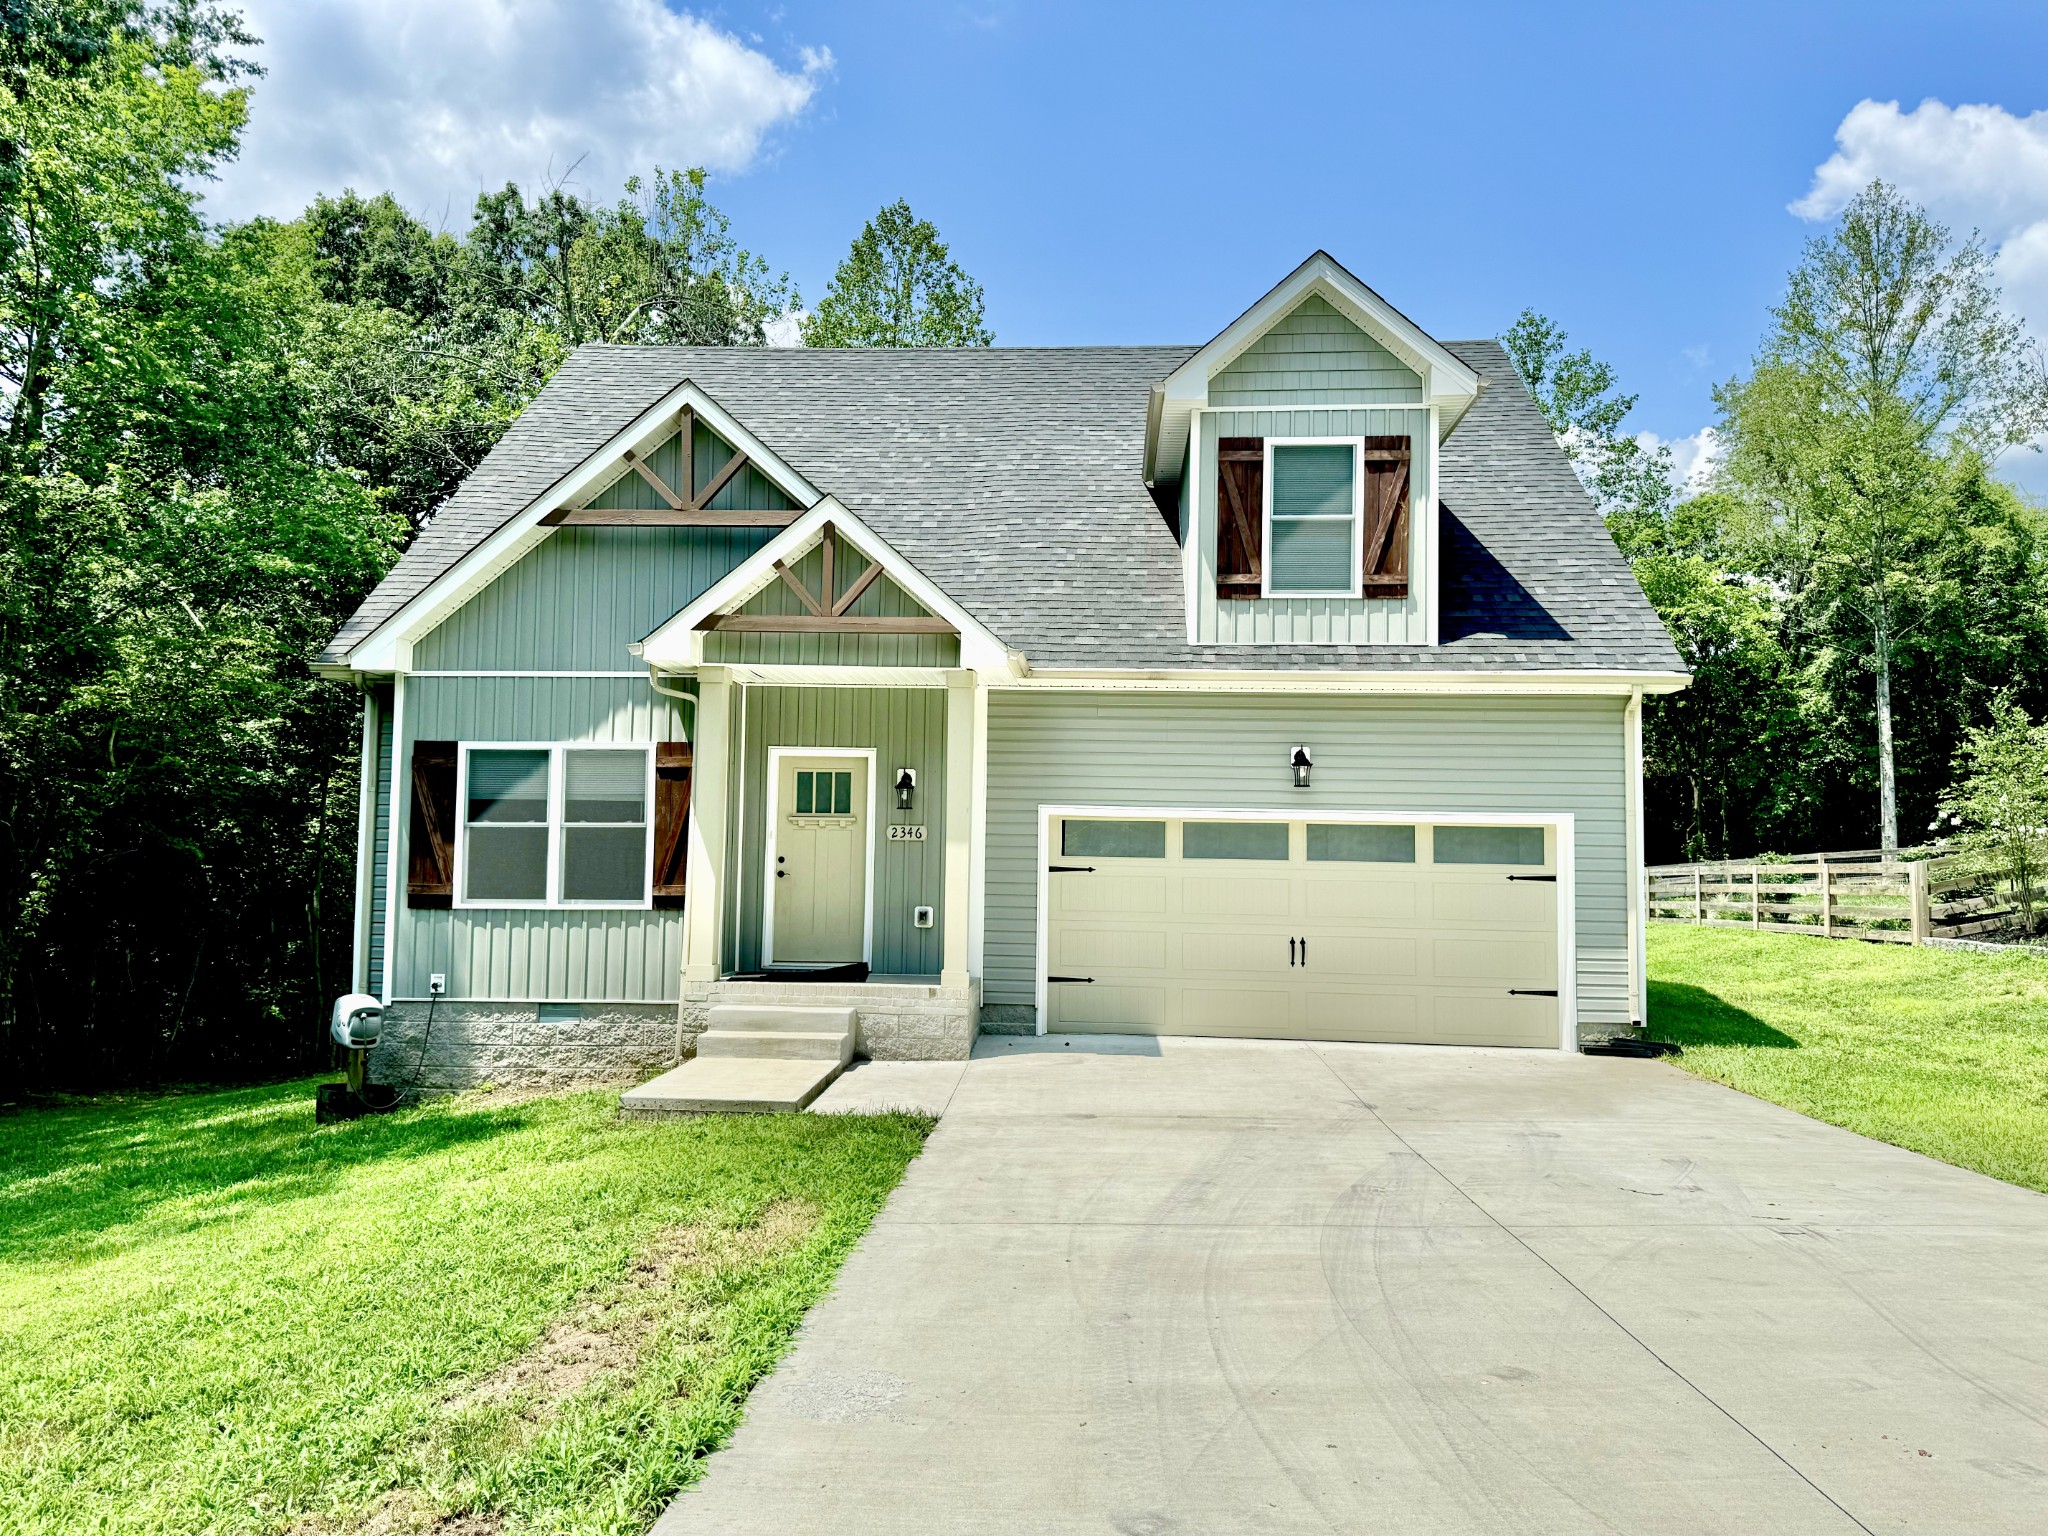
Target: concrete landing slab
(887,1087)
(731,1085)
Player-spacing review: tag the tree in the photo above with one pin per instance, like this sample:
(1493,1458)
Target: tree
(1890,368)
(898,287)
(1580,398)
(2000,802)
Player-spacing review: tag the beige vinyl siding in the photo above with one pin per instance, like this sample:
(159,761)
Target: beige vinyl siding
(1311,620)
(907,729)
(1398,755)
(538,955)
(576,601)
(883,599)
(1314,356)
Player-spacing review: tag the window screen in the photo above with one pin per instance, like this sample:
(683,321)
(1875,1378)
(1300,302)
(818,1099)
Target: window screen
(1350,843)
(604,826)
(1233,840)
(1313,519)
(1487,845)
(1113,839)
(507,838)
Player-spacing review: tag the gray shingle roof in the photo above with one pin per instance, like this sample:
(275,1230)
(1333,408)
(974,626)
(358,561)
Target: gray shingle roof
(1011,477)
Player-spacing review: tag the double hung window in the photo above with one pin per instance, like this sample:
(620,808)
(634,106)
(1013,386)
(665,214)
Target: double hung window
(545,826)
(1314,511)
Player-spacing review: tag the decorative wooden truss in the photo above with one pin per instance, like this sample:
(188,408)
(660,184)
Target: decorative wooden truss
(691,510)
(825,611)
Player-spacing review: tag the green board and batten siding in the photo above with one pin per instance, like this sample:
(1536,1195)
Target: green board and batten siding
(1315,356)
(1310,375)
(907,729)
(537,955)
(1229,752)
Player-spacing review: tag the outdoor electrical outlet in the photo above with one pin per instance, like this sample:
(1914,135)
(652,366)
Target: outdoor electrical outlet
(436,984)
(921,916)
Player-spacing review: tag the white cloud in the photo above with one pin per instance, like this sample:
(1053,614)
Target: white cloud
(1693,458)
(1972,167)
(437,101)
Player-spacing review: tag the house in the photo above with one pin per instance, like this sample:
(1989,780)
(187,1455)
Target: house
(1286,685)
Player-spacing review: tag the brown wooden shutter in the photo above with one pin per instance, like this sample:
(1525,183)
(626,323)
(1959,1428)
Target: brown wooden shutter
(671,821)
(430,845)
(1240,515)
(1386,516)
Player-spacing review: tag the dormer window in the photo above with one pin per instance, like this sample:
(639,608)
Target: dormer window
(1313,511)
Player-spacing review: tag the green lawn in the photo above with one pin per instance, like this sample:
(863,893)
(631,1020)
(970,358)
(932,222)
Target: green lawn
(216,1318)
(1942,1051)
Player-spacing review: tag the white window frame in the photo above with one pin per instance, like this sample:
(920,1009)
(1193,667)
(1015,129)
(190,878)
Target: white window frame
(557,786)
(1356,590)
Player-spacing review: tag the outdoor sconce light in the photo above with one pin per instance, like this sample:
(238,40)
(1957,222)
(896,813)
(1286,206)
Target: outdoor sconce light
(1300,763)
(906,788)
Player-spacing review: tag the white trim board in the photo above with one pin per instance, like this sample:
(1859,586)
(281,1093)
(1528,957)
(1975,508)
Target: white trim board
(388,647)
(399,831)
(771,815)
(1563,822)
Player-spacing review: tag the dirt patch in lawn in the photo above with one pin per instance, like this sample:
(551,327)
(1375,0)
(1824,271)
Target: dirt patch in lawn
(602,1338)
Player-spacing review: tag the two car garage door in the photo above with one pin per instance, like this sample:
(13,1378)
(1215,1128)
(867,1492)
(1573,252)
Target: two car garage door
(1304,930)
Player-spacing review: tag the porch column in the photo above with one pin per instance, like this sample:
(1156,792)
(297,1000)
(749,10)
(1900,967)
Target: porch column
(705,901)
(960,876)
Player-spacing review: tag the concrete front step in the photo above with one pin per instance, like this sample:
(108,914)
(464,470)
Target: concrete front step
(732,1085)
(774,1044)
(758,1017)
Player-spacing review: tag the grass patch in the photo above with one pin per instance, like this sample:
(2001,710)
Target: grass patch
(1942,1051)
(215,1317)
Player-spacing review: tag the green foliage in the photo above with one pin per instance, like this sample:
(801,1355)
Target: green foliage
(1999,803)
(1581,399)
(899,287)
(222,1319)
(1938,1051)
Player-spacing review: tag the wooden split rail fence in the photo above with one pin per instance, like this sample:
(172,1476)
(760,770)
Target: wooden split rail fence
(1837,895)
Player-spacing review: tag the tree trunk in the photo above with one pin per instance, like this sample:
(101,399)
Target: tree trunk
(1887,782)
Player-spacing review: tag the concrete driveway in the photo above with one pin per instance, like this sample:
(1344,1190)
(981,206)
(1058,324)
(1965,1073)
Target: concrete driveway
(1174,1287)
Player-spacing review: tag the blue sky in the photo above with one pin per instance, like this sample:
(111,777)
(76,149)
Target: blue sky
(1140,173)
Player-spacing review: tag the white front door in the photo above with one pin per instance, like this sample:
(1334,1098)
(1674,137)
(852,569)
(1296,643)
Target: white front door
(1308,930)
(818,860)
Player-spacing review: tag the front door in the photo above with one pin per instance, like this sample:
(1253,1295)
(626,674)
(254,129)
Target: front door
(819,861)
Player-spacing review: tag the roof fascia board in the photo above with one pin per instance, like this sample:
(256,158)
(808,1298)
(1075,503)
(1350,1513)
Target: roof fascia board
(388,647)
(1615,683)
(678,643)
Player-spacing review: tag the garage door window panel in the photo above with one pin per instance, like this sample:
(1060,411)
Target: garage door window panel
(1360,843)
(1254,840)
(1522,846)
(1113,839)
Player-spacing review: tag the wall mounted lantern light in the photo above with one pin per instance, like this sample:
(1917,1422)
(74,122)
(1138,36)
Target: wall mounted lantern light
(906,788)
(1300,762)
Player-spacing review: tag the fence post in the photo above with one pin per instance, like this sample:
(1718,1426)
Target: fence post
(1756,896)
(1699,902)
(1827,900)
(1916,886)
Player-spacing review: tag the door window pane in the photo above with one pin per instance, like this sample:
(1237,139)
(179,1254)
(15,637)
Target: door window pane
(1487,845)
(805,792)
(1353,843)
(1113,839)
(842,794)
(1312,519)
(1233,840)
(824,793)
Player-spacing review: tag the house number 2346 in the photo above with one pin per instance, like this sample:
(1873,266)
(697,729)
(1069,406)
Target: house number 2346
(906,834)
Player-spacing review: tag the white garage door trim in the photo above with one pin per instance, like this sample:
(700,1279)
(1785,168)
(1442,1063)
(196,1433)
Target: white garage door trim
(1561,823)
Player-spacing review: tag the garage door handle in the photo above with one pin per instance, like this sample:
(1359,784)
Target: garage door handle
(1090,980)
(1547,879)
(1290,952)
(1532,991)
(1070,869)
